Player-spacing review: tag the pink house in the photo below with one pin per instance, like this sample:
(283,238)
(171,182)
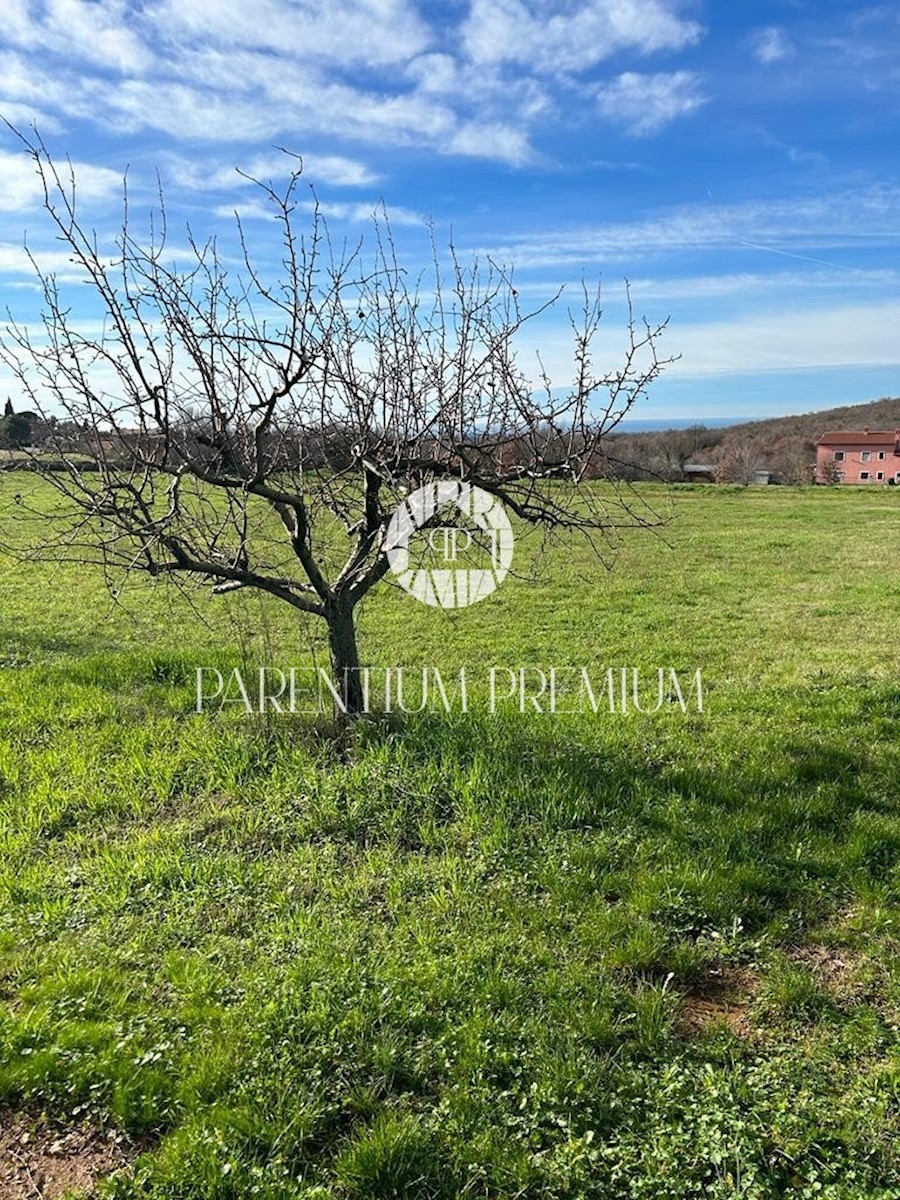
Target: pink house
(859,456)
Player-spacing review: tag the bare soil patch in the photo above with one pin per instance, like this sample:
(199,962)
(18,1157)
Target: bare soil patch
(42,1161)
(722,996)
(835,970)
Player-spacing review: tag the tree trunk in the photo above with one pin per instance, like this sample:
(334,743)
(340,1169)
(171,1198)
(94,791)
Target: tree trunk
(344,655)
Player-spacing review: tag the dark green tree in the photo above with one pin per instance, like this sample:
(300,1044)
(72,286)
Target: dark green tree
(16,430)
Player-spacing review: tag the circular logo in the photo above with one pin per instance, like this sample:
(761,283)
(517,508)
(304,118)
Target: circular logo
(484,525)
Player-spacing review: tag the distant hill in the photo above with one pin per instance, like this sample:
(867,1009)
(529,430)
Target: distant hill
(878,414)
(784,445)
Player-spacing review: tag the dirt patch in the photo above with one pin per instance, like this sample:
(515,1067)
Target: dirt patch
(41,1161)
(721,997)
(835,970)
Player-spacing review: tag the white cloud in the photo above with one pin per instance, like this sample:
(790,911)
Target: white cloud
(26,116)
(500,142)
(861,335)
(374,32)
(439,74)
(222,71)
(268,98)
(15,260)
(225,71)
(780,339)
(355,213)
(22,268)
(95,31)
(487,90)
(748,284)
(25,88)
(549,37)
(334,169)
(247,210)
(772,44)
(22,190)
(334,210)
(210,175)
(644,104)
(185,112)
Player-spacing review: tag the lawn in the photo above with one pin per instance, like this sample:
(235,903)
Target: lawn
(470,955)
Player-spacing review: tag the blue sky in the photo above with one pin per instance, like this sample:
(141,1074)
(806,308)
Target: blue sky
(737,162)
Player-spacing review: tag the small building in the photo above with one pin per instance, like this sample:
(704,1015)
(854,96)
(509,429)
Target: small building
(699,473)
(859,456)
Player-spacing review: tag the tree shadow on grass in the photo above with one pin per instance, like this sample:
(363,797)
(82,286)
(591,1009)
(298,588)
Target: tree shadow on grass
(22,647)
(781,836)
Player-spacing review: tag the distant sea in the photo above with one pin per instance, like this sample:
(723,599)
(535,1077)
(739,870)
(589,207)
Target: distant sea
(655,424)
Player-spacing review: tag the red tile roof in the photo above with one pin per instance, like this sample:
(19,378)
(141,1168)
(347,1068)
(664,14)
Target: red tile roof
(867,437)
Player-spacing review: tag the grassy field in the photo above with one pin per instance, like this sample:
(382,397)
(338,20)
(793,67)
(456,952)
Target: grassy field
(605,956)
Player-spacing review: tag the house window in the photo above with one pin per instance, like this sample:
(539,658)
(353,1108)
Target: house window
(838,456)
(864,475)
(865,456)
(880,475)
(881,456)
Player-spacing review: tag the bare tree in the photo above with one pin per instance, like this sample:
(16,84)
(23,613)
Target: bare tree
(831,473)
(737,462)
(255,432)
(793,459)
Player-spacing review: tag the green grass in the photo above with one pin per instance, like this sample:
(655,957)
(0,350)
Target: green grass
(457,957)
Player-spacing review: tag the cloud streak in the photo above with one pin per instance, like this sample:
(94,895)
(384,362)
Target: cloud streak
(838,219)
(333,169)
(355,213)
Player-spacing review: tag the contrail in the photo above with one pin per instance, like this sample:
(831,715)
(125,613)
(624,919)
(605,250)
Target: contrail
(822,262)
